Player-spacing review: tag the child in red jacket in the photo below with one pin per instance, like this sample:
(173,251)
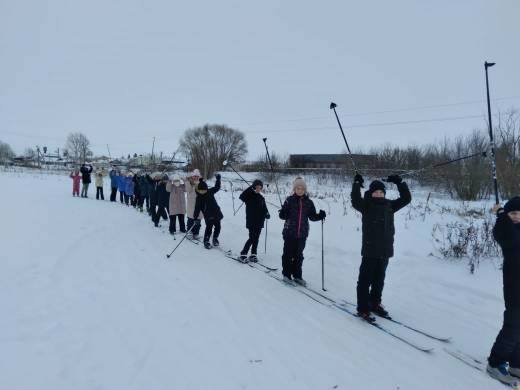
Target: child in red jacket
(76,179)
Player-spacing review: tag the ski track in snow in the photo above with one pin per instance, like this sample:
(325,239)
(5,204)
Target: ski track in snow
(90,302)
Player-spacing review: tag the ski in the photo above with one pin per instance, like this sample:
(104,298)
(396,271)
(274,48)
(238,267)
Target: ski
(475,363)
(387,331)
(229,253)
(422,332)
(297,288)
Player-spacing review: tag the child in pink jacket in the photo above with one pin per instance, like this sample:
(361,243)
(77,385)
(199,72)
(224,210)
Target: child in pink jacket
(76,179)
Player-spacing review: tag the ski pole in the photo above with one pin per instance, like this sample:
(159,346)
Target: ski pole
(226,163)
(265,242)
(232,196)
(272,171)
(415,171)
(322,261)
(239,207)
(180,242)
(491,140)
(333,107)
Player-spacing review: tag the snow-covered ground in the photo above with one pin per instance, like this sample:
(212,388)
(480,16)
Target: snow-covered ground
(89,301)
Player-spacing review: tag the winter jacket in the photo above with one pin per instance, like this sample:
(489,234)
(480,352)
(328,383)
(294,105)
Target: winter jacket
(137,187)
(85,173)
(207,204)
(113,178)
(121,183)
(191,198)
(507,234)
(129,186)
(145,183)
(75,181)
(177,203)
(297,211)
(99,179)
(158,194)
(378,220)
(256,209)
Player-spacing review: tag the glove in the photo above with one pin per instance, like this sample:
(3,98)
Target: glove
(267,216)
(322,214)
(359,179)
(396,179)
(218,176)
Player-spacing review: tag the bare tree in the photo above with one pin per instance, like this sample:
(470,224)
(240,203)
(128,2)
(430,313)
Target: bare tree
(78,147)
(6,153)
(207,147)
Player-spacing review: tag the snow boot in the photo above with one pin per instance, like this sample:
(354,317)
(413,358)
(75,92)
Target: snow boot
(243,258)
(501,374)
(300,281)
(253,258)
(288,280)
(514,371)
(365,316)
(215,242)
(207,245)
(379,310)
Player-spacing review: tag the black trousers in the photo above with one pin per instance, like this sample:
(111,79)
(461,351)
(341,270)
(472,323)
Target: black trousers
(113,194)
(99,192)
(142,200)
(210,224)
(507,345)
(173,219)
(252,242)
(292,257)
(370,283)
(129,199)
(158,212)
(195,230)
(122,196)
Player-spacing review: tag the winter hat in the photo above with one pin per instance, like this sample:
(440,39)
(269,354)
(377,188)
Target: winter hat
(203,186)
(165,176)
(176,178)
(513,204)
(375,186)
(299,182)
(258,182)
(195,172)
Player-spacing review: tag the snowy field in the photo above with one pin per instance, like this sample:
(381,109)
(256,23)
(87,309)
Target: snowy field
(91,302)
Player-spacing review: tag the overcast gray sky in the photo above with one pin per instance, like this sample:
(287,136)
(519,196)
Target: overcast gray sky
(124,71)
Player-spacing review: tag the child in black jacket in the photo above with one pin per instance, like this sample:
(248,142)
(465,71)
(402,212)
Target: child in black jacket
(256,214)
(297,210)
(378,240)
(506,349)
(207,204)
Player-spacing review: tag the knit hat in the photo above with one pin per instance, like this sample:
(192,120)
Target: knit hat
(375,186)
(299,182)
(258,182)
(203,186)
(195,172)
(513,204)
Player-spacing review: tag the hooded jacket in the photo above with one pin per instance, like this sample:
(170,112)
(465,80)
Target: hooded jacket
(207,204)
(378,220)
(256,209)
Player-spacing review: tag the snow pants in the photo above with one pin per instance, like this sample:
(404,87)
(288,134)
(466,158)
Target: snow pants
(195,230)
(99,192)
(173,219)
(370,283)
(507,345)
(210,224)
(158,212)
(252,242)
(113,194)
(292,257)
(84,190)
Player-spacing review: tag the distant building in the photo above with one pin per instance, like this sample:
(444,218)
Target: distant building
(334,161)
